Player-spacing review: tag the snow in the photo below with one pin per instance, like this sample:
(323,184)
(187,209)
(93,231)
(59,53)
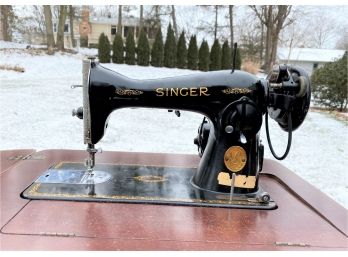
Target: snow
(36,105)
(9,45)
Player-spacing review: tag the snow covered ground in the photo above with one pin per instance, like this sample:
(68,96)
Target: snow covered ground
(36,105)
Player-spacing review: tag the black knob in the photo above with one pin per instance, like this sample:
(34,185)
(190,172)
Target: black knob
(78,113)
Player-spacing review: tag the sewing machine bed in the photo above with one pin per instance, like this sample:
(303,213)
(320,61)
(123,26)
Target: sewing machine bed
(133,184)
(305,219)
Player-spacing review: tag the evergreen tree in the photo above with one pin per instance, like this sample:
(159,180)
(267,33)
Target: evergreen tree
(157,50)
(170,49)
(192,54)
(215,56)
(238,63)
(103,49)
(203,56)
(118,50)
(143,50)
(130,49)
(226,58)
(330,84)
(181,52)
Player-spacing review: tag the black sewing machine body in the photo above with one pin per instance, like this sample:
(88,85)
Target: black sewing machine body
(234,103)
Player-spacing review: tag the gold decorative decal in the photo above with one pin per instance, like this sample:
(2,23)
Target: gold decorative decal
(241,181)
(150,179)
(128,92)
(182,91)
(235,158)
(236,91)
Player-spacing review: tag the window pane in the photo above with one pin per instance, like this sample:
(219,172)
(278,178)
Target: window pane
(113,30)
(66,27)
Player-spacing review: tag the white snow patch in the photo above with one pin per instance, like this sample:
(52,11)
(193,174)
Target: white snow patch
(35,107)
(13,45)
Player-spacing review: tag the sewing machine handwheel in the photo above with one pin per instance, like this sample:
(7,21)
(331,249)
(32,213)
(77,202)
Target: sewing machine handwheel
(301,103)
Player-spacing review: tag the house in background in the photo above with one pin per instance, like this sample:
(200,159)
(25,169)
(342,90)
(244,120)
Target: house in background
(308,58)
(92,27)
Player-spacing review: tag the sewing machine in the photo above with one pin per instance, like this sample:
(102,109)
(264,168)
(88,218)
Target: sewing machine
(233,104)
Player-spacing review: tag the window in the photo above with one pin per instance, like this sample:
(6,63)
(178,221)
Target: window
(66,27)
(315,65)
(113,30)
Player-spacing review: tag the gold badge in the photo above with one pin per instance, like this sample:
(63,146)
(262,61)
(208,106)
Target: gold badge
(235,158)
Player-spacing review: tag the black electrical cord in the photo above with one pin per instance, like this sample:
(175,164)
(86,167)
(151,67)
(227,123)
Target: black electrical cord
(289,137)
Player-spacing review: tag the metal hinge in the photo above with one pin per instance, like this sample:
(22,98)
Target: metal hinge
(27,157)
(292,244)
(57,234)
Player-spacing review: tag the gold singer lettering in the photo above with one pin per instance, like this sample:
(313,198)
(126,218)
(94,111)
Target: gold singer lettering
(184,91)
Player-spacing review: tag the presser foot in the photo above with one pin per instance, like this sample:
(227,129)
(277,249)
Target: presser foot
(89,175)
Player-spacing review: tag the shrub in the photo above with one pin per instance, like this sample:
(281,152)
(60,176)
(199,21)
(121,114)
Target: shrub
(170,49)
(118,50)
(143,51)
(238,63)
(84,41)
(192,54)
(226,58)
(103,49)
(330,84)
(215,56)
(203,57)
(130,49)
(181,56)
(157,50)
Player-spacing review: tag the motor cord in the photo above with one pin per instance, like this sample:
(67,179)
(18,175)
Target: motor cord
(289,137)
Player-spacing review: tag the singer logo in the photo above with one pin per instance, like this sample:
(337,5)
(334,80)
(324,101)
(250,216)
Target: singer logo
(184,91)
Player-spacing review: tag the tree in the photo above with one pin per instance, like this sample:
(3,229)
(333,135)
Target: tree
(273,17)
(71,20)
(215,56)
(7,21)
(181,56)
(141,21)
(118,50)
(130,49)
(143,49)
(49,29)
(203,57)
(157,50)
(174,22)
(103,48)
(61,25)
(170,49)
(230,11)
(238,62)
(192,54)
(216,7)
(330,84)
(119,20)
(226,57)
